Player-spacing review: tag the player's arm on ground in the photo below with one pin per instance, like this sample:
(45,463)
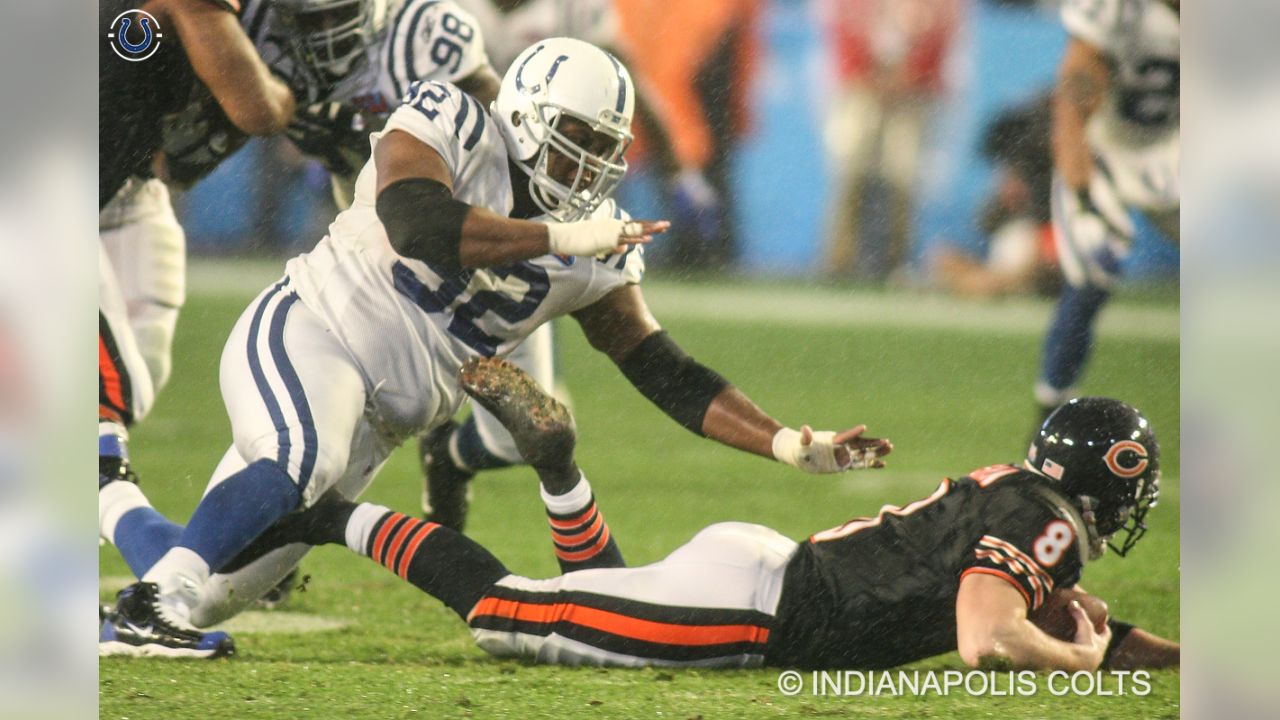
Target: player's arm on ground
(1133,648)
(700,399)
(424,221)
(992,628)
(1083,79)
(225,60)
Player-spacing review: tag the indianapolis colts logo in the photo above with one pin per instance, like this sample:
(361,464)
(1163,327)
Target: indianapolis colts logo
(134,35)
(551,73)
(1138,459)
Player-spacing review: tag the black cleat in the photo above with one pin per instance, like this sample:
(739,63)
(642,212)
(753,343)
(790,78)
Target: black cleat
(111,469)
(541,426)
(446,491)
(138,627)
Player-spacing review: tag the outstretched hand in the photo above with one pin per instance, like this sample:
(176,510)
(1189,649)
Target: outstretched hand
(829,452)
(587,238)
(856,452)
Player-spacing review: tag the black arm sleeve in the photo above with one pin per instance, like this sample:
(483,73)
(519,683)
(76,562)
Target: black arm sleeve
(423,221)
(1119,631)
(679,385)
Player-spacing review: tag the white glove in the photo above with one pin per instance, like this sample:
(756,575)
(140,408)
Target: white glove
(819,456)
(588,238)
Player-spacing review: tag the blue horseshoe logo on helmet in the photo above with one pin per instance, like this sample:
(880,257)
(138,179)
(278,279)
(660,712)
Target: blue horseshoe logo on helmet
(118,36)
(551,72)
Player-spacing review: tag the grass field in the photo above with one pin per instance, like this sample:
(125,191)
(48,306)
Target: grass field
(948,382)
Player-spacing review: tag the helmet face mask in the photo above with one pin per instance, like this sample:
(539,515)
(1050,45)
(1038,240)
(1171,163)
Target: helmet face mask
(570,178)
(327,38)
(1105,458)
(564,111)
(1132,522)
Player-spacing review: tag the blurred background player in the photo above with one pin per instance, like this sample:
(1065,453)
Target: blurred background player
(349,66)
(351,61)
(145,74)
(890,59)
(700,59)
(963,569)
(1115,148)
(453,453)
(1015,219)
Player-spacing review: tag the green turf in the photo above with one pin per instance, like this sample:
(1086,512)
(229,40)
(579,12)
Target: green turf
(951,402)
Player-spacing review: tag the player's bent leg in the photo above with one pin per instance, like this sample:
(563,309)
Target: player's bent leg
(708,604)
(1089,251)
(543,430)
(1068,344)
(266,567)
(126,391)
(147,249)
(295,400)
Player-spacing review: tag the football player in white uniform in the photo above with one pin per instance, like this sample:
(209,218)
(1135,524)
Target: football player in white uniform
(438,261)
(1116,149)
(452,454)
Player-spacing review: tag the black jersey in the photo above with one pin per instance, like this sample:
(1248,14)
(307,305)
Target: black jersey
(135,94)
(879,592)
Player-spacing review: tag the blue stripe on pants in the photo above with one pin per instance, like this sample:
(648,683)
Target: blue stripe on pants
(260,378)
(293,384)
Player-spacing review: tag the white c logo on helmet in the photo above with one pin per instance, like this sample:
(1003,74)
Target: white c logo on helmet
(1126,471)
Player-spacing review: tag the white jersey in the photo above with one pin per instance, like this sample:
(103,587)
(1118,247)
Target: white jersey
(507,34)
(410,326)
(1140,39)
(419,40)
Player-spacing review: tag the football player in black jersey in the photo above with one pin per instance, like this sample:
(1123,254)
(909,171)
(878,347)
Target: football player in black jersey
(959,569)
(154,56)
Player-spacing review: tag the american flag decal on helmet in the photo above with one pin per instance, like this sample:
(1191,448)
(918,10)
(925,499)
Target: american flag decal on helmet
(1052,469)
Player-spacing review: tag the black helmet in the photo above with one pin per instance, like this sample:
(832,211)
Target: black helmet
(1104,455)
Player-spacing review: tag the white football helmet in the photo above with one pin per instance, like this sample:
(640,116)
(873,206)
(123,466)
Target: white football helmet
(328,38)
(550,80)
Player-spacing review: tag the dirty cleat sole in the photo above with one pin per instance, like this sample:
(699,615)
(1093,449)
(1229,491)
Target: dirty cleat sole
(542,427)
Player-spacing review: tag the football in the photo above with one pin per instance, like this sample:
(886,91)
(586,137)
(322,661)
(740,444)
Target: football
(1054,616)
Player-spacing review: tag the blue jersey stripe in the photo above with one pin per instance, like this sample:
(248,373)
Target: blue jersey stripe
(410,36)
(478,130)
(391,54)
(293,384)
(461,117)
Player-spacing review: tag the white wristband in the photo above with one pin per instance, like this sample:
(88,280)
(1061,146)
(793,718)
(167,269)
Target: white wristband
(588,238)
(785,442)
(818,456)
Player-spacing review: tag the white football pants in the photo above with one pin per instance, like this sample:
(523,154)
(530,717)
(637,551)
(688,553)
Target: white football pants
(141,287)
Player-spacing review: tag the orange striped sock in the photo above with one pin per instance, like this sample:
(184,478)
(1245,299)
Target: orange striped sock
(578,531)
(443,563)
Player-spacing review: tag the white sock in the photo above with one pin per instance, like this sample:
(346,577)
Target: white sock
(576,499)
(360,525)
(114,500)
(181,575)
